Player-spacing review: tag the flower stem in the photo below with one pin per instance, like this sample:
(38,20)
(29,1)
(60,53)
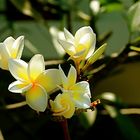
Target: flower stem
(77,63)
(64,125)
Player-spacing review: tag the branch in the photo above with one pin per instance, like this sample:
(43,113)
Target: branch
(111,65)
(64,125)
(125,111)
(15,105)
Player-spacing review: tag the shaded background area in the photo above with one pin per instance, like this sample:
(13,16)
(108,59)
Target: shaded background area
(41,22)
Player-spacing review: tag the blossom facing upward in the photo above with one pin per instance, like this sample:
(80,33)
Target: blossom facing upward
(33,81)
(81,46)
(10,48)
(63,105)
(80,91)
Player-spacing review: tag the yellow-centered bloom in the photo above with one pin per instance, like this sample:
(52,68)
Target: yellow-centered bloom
(10,48)
(33,80)
(63,105)
(81,46)
(80,92)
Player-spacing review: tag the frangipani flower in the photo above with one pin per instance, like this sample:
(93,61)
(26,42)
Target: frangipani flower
(63,105)
(33,80)
(82,45)
(10,48)
(80,91)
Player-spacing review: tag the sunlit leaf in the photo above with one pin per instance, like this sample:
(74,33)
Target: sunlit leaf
(134,16)
(97,54)
(135,48)
(113,7)
(109,98)
(107,1)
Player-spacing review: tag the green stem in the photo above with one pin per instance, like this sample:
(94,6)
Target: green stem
(64,125)
(77,63)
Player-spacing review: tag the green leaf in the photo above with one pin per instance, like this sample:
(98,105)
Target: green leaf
(124,123)
(94,56)
(26,8)
(103,2)
(135,48)
(97,54)
(134,16)
(113,7)
(110,98)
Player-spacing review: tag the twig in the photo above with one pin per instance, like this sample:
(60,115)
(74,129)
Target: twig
(15,105)
(64,125)
(53,62)
(126,111)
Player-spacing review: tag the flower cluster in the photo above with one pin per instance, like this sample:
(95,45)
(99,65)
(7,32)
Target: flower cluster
(37,84)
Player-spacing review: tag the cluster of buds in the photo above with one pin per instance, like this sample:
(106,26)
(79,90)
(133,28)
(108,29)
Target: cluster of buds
(36,83)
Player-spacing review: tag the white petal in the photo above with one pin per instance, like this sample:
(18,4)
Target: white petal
(69,37)
(17,47)
(4,53)
(81,32)
(87,38)
(56,104)
(19,87)
(36,66)
(81,94)
(18,69)
(63,105)
(72,76)
(68,47)
(49,79)
(64,79)
(83,102)
(8,42)
(37,98)
(92,45)
(82,88)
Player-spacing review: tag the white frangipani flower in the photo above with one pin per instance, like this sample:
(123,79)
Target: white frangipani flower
(10,48)
(81,46)
(33,81)
(80,91)
(63,105)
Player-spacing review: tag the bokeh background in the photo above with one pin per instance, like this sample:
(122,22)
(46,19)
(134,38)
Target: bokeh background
(117,85)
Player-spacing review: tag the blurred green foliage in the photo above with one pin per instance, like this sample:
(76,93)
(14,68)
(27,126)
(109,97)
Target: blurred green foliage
(116,23)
